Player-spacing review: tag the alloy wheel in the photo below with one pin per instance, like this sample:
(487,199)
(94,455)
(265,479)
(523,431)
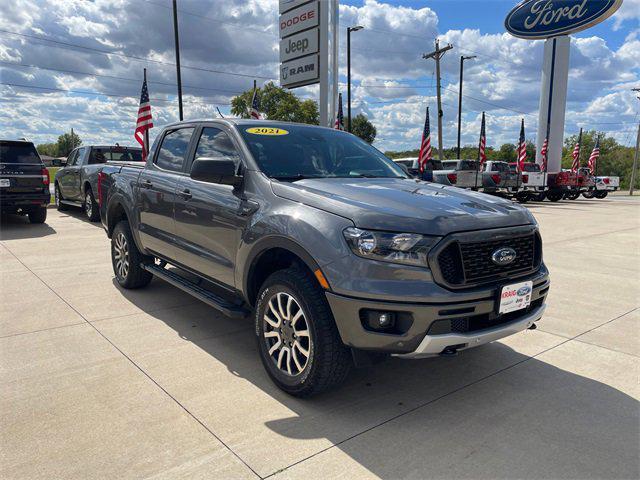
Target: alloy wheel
(286,333)
(88,205)
(121,255)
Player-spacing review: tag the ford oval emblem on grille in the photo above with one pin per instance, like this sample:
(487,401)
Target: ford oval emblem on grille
(522,291)
(503,256)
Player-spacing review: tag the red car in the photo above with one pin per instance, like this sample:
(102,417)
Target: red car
(562,184)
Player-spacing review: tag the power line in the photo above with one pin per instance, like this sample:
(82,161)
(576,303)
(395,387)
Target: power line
(133,57)
(75,72)
(98,94)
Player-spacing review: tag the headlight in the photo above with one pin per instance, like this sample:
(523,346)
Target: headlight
(405,248)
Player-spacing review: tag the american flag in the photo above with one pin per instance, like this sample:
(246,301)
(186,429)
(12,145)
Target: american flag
(339,125)
(544,152)
(522,149)
(482,155)
(576,154)
(145,121)
(255,104)
(593,158)
(425,146)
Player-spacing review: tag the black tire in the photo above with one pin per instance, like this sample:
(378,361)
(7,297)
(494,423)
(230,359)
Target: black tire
(328,360)
(38,215)
(554,196)
(572,196)
(540,197)
(601,194)
(57,195)
(522,197)
(123,249)
(589,194)
(90,206)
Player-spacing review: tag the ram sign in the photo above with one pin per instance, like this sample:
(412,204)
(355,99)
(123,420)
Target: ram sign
(302,71)
(535,19)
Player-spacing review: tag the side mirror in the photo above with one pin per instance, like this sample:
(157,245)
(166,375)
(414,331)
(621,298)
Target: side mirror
(214,170)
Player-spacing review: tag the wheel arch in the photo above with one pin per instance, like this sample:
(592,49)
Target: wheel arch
(270,255)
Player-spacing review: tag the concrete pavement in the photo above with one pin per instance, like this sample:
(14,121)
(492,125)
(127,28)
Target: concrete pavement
(98,382)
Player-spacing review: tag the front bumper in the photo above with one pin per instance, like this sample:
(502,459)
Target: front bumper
(417,340)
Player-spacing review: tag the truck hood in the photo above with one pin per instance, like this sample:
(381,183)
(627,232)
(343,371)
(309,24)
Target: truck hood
(405,205)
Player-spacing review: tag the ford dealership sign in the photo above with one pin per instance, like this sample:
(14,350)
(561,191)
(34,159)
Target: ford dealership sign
(535,19)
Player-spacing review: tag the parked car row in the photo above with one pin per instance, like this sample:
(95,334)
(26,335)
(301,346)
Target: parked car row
(503,179)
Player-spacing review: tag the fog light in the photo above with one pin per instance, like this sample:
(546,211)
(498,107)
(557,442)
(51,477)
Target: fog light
(379,320)
(385,320)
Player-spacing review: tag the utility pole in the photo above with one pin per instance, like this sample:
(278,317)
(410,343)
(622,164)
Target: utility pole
(177,43)
(437,54)
(635,156)
(462,59)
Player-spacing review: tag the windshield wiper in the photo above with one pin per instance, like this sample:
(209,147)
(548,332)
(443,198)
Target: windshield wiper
(293,178)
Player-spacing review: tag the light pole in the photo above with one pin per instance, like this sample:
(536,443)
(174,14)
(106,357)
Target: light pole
(349,30)
(177,45)
(462,59)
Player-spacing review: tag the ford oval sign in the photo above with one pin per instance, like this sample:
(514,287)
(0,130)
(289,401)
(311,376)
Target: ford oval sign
(535,19)
(503,256)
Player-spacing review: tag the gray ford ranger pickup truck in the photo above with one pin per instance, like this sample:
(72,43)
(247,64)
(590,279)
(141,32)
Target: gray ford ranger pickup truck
(340,257)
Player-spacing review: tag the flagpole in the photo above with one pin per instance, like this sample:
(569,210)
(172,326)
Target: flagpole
(177,47)
(146,132)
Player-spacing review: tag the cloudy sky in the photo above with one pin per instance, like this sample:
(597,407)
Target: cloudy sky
(78,63)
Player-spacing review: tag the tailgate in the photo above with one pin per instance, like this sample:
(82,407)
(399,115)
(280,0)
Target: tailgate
(21,178)
(467,178)
(535,179)
(510,179)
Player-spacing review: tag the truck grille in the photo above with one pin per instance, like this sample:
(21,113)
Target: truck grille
(467,263)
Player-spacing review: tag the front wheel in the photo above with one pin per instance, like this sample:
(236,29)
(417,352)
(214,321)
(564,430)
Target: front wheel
(127,259)
(572,196)
(589,194)
(555,196)
(601,194)
(91,207)
(522,197)
(298,340)
(57,195)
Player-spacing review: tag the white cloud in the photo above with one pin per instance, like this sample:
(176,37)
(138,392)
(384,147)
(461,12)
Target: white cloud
(392,83)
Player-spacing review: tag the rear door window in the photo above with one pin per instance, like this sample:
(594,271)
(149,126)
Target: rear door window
(173,149)
(18,152)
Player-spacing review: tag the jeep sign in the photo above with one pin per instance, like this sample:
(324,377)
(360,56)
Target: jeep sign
(299,45)
(298,19)
(301,71)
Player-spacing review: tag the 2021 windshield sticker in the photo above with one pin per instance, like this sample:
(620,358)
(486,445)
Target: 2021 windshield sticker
(267,131)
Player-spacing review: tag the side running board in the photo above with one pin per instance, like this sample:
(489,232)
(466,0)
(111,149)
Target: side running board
(228,308)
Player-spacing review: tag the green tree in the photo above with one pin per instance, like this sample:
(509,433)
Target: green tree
(363,128)
(276,103)
(50,149)
(67,142)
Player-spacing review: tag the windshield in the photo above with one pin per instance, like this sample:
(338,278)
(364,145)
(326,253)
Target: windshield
(18,152)
(295,152)
(500,167)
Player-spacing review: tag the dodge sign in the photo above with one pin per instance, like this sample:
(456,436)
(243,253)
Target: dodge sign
(299,19)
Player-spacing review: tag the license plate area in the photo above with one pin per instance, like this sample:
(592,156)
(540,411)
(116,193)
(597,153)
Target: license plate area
(515,296)
(5,183)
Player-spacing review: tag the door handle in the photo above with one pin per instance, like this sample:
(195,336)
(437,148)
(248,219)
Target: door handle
(146,184)
(186,194)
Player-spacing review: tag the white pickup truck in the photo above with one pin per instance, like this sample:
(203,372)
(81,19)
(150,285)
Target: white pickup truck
(533,182)
(604,185)
(459,173)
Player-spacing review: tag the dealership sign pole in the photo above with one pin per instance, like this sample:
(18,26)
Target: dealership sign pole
(554,20)
(309,49)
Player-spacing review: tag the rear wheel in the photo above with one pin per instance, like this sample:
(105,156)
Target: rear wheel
(57,195)
(127,259)
(522,197)
(91,207)
(540,197)
(601,194)
(298,340)
(38,215)
(589,194)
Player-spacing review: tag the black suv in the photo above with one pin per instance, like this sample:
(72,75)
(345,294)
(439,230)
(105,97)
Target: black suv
(24,180)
